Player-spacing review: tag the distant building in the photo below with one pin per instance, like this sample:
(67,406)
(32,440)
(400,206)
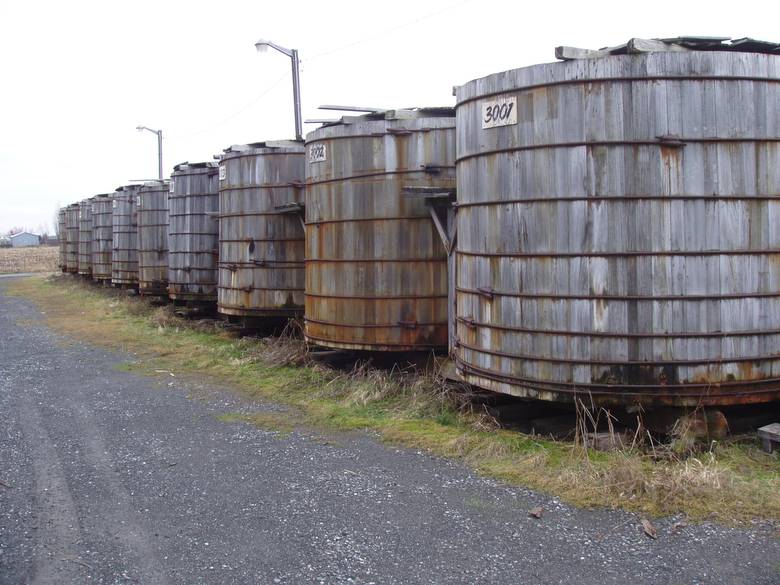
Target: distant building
(24,239)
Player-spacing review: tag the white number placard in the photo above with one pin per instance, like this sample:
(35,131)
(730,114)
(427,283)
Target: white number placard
(170,187)
(500,111)
(138,201)
(317,153)
(222,172)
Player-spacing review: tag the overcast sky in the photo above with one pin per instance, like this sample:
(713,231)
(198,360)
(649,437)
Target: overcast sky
(78,77)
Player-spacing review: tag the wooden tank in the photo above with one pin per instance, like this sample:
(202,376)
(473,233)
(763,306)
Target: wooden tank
(85,237)
(261,247)
(376,268)
(124,256)
(102,229)
(618,229)
(72,238)
(193,233)
(152,215)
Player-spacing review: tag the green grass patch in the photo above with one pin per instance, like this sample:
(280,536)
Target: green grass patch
(734,482)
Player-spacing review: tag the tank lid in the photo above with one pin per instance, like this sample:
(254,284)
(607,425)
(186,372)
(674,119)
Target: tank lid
(128,187)
(186,165)
(671,45)
(264,144)
(378,114)
(155,184)
(100,195)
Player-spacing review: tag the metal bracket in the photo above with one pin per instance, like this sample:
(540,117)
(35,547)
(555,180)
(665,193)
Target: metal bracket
(437,199)
(295,208)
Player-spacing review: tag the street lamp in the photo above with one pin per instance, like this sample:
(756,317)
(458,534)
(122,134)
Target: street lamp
(159,147)
(262,47)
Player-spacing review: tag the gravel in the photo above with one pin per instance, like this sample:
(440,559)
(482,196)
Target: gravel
(112,477)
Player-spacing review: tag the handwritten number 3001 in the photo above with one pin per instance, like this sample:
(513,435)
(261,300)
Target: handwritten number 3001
(498,112)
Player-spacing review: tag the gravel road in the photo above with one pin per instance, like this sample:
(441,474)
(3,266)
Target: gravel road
(112,477)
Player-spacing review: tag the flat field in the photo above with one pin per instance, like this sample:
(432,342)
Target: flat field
(37,259)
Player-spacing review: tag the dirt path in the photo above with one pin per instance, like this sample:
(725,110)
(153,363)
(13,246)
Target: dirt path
(118,478)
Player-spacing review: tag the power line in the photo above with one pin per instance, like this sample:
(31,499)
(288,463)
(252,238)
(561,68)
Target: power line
(237,113)
(389,30)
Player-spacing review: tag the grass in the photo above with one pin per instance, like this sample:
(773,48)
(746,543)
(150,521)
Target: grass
(33,259)
(733,481)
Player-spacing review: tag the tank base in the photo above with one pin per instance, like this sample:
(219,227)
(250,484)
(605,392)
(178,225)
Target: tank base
(372,348)
(754,392)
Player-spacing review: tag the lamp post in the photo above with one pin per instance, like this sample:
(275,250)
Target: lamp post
(159,147)
(262,46)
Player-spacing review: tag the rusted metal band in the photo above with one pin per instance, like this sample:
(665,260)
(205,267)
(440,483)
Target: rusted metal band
(589,143)
(397,325)
(151,225)
(471,323)
(254,288)
(376,297)
(193,252)
(593,297)
(612,80)
(251,214)
(638,390)
(594,362)
(202,214)
(619,199)
(370,219)
(588,254)
(228,156)
(389,132)
(190,283)
(214,234)
(290,185)
(375,174)
(261,264)
(374,260)
(249,240)
(343,342)
(182,196)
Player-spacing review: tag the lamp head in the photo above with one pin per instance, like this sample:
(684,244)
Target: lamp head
(261,46)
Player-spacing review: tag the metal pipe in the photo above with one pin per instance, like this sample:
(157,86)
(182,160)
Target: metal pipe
(296,95)
(159,155)
(159,149)
(261,46)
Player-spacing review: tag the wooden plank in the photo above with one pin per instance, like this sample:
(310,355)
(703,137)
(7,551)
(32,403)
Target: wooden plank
(571,53)
(653,46)
(770,436)
(353,109)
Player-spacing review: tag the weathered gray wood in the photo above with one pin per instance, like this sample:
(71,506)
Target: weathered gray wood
(653,46)
(102,218)
(568,53)
(635,267)
(72,238)
(124,256)
(193,232)
(770,436)
(152,214)
(353,109)
(85,237)
(261,250)
(376,269)
(62,237)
